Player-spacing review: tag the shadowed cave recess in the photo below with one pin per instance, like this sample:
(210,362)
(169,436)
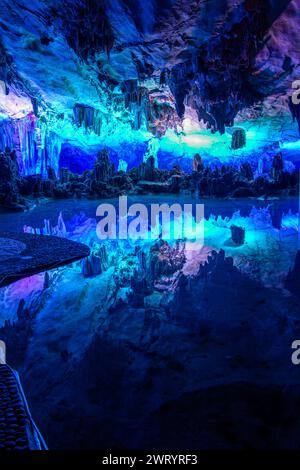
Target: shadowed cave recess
(147,344)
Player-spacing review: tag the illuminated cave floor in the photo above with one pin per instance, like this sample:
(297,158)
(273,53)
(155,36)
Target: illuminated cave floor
(133,377)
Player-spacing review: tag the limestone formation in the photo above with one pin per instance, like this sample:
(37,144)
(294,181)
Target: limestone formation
(96,262)
(238,235)
(197,163)
(19,192)
(238,140)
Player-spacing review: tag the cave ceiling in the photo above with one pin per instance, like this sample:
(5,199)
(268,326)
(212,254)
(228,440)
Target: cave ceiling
(147,63)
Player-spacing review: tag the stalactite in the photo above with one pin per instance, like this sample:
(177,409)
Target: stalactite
(36,147)
(53,143)
(97,122)
(35,107)
(6,134)
(83,116)
(130,90)
(179,86)
(25,144)
(137,102)
(215,81)
(86,27)
(6,70)
(88,117)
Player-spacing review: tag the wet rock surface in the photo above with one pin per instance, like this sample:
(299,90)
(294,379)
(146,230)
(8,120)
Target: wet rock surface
(37,254)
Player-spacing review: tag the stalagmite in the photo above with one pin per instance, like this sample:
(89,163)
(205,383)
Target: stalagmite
(122,165)
(96,262)
(197,163)
(277,166)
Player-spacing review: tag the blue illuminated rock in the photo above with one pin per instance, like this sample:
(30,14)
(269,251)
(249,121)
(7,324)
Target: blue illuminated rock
(123,75)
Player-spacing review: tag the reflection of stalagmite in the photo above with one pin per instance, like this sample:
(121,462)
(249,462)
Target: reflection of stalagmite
(260,168)
(238,234)
(238,139)
(197,163)
(96,263)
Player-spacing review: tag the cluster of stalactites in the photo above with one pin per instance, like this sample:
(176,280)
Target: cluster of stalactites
(156,115)
(85,27)
(136,100)
(218,81)
(36,147)
(87,117)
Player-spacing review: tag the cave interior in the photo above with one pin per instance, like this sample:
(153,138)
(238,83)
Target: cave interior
(151,344)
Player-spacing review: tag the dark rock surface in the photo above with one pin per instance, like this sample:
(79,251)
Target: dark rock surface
(238,234)
(207,419)
(39,253)
(10,182)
